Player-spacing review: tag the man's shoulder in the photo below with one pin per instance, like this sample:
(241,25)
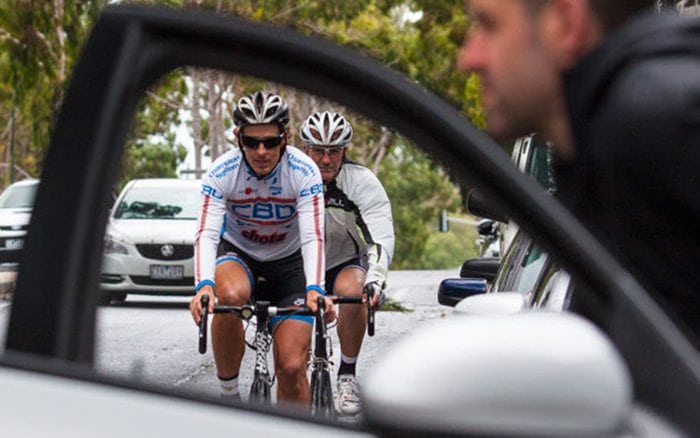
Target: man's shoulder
(299,162)
(225,165)
(356,174)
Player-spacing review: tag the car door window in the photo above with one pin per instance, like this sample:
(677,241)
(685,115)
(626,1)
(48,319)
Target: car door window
(509,268)
(530,269)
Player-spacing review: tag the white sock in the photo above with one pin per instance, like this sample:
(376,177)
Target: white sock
(229,387)
(348,360)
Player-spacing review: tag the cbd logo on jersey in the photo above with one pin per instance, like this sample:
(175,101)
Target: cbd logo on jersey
(267,213)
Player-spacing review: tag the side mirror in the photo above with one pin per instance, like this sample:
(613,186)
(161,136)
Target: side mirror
(480,206)
(454,290)
(480,267)
(531,374)
(493,304)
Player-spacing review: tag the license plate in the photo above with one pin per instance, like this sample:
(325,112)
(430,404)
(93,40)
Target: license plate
(166,272)
(14,243)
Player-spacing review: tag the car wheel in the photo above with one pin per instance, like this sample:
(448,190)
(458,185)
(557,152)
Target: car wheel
(119,297)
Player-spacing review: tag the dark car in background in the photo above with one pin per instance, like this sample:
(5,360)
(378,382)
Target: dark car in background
(523,266)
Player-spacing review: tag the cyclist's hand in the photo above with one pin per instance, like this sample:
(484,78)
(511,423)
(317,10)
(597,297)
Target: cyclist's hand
(375,293)
(312,297)
(196,303)
(330,310)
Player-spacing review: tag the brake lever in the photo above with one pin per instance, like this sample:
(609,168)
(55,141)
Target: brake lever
(203,324)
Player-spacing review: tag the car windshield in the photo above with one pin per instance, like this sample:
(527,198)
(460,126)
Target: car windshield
(21,196)
(158,203)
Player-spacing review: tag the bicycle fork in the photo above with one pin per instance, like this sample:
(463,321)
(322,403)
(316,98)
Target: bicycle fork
(260,390)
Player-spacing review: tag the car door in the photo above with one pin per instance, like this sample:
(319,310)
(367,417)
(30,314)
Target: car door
(132,47)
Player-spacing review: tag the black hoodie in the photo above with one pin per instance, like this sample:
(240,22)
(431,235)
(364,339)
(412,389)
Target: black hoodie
(634,104)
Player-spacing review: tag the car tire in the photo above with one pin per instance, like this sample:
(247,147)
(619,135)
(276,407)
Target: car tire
(119,297)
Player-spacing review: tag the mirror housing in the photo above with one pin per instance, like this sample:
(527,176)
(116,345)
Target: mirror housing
(484,375)
(480,267)
(478,205)
(454,290)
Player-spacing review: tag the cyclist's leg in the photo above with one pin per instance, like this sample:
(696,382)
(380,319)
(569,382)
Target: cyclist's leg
(291,350)
(233,288)
(352,318)
(285,285)
(348,280)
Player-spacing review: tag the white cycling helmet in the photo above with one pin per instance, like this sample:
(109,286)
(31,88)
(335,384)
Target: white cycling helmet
(261,108)
(326,129)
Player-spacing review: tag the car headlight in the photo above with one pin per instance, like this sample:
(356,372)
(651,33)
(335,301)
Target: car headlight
(113,246)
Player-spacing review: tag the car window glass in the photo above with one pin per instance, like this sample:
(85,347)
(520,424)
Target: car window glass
(509,267)
(18,196)
(541,165)
(145,331)
(530,269)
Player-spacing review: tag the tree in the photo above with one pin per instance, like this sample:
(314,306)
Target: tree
(418,192)
(40,41)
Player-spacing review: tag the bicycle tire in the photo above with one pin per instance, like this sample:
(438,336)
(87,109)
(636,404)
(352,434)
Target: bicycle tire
(322,404)
(260,391)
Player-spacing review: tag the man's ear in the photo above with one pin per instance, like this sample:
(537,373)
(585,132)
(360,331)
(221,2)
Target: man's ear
(236,130)
(569,30)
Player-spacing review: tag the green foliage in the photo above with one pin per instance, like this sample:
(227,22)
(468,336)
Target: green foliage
(39,46)
(151,149)
(418,192)
(450,249)
(391,305)
(151,160)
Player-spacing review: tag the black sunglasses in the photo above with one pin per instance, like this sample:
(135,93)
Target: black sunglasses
(268,142)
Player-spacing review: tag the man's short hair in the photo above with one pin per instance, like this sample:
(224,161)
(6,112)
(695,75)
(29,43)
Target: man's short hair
(610,13)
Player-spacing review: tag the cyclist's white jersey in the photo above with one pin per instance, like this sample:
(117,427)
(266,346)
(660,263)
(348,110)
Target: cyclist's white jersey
(268,218)
(359,221)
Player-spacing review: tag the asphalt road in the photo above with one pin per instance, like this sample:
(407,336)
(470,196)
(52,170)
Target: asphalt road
(154,340)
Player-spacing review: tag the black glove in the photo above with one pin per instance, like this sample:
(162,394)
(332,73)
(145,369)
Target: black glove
(373,288)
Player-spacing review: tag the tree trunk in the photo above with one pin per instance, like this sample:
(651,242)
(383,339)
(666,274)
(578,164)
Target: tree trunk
(195,110)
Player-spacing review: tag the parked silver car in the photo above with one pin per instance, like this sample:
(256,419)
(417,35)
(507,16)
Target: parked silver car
(149,239)
(16,203)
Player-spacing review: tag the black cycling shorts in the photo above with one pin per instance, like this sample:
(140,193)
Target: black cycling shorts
(282,282)
(332,273)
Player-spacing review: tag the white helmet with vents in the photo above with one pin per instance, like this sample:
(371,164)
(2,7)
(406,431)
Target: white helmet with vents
(261,108)
(326,129)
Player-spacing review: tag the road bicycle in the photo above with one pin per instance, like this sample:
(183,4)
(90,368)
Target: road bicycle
(322,404)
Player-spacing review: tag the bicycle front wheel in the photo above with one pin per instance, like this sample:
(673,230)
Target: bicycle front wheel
(322,404)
